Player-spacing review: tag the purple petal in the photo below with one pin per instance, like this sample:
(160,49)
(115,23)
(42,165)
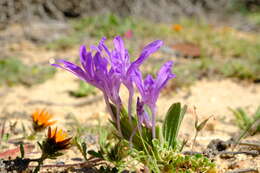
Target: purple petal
(83,57)
(94,48)
(147,120)
(86,62)
(103,46)
(76,70)
(143,117)
(119,46)
(149,81)
(164,74)
(101,43)
(100,63)
(147,51)
(137,77)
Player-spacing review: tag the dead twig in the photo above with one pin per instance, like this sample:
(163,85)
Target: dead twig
(225,154)
(2,130)
(88,163)
(191,153)
(249,170)
(255,145)
(230,154)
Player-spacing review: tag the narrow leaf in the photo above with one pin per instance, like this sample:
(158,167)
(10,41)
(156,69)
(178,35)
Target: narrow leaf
(172,123)
(202,124)
(257,113)
(22,150)
(95,154)
(40,145)
(84,150)
(246,119)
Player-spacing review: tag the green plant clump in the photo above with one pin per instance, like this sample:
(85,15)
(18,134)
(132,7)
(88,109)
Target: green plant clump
(109,25)
(248,123)
(83,90)
(13,71)
(137,138)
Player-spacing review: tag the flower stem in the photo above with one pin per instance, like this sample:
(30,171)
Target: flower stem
(109,108)
(40,162)
(118,120)
(130,100)
(133,133)
(153,109)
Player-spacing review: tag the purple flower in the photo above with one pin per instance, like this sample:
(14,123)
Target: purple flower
(143,117)
(150,88)
(120,62)
(108,69)
(95,72)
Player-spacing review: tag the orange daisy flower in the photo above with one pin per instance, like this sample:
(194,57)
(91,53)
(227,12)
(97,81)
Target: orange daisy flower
(56,140)
(41,120)
(177,27)
(58,137)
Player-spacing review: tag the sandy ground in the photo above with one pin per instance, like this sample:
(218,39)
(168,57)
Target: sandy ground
(209,98)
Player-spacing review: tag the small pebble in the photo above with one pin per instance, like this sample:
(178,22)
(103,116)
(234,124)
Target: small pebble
(60,163)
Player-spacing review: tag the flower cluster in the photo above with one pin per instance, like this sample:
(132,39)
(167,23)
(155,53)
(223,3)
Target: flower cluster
(109,69)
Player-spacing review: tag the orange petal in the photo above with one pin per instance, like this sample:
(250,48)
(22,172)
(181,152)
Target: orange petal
(49,132)
(49,123)
(35,115)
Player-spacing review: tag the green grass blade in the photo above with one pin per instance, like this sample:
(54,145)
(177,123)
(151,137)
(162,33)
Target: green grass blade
(257,113)
(245,117)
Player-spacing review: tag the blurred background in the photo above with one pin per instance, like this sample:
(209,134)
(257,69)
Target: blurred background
(161,10)
(204,29)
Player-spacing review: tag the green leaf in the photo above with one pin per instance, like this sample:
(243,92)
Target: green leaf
(83,90)
(40,145)
(22,150)
(95,154)
(81,146)
(246,119)
(184,142)
(257,113)
(172,124)
(55,155)
(84,150)
(128,128)
(24,130)
(201,125)
(6,137)
(242,119)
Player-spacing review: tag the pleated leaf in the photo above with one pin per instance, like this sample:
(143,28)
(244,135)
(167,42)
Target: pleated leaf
(172,124)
